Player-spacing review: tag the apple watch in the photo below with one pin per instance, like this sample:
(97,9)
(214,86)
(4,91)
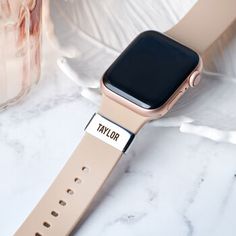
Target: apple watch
(142,84)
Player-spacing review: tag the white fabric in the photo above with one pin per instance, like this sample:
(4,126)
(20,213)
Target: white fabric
(92,33)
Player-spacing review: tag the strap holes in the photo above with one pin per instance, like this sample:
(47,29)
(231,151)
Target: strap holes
(38,234)
(55,214)
(77,180)
(46,224)
(69,191)
(61,202)
(85,169)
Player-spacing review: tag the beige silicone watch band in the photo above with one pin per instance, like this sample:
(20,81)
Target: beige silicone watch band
(68,198)
(66,201)
(204,23)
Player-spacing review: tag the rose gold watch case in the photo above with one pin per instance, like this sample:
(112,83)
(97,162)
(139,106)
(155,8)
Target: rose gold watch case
(161,111)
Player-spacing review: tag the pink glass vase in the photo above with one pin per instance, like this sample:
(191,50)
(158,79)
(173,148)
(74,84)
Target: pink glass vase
(20,48)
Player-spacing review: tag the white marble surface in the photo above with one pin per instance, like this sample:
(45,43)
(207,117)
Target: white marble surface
(169,183)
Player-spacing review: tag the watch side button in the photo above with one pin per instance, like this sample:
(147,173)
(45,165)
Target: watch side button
(195,79)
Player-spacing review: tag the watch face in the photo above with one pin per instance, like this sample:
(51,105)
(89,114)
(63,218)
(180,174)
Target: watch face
(150,70)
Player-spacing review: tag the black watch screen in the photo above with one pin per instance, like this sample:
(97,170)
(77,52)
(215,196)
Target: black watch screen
(150,70)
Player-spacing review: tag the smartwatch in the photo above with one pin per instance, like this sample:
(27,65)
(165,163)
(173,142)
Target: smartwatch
(143,83)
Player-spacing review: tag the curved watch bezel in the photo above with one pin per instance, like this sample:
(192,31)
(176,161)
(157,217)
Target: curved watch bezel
(162,110)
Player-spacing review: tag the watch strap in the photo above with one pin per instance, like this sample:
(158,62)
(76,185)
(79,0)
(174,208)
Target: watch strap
(204,23)
(68,198)
(122,115)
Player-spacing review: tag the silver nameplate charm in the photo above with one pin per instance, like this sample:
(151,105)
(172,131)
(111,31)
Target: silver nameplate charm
(109,132)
